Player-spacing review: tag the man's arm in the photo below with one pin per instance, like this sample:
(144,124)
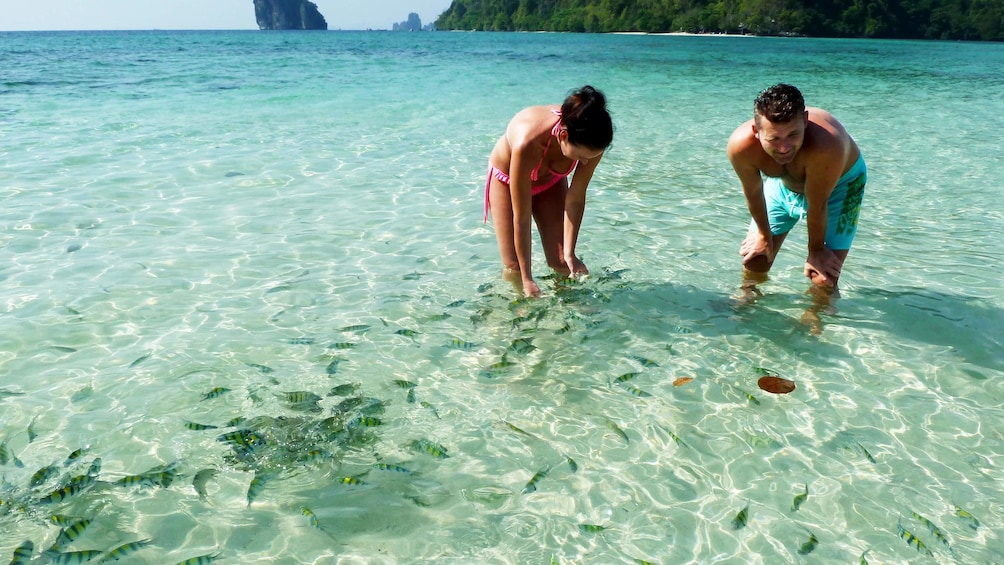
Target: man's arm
(740,145)
(822,171)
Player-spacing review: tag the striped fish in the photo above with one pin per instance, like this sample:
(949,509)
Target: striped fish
(635,391)
(626,377)
(970,520)
(215,393)
(23,553)
(393,468)
(617,430)
(310,516)
(31,430)
(913,540)
(300,397)
(43,475)
(126,550)
(644,362)
(70,534)
(799,499)
(365,421)
(430,447)
(809,546)
(256,486)
(75,455)
(72,489)
(7,455)
(200,560)
(531,485)
(75,557)
(201,479)
(461,344)
(199,427)
(935,530)
(739,522)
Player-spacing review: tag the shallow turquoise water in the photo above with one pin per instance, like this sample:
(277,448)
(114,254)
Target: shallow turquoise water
(185,211)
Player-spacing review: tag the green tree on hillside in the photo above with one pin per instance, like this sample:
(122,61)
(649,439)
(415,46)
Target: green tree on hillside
(902,19)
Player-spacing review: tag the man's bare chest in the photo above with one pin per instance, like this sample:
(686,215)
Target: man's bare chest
(792,175)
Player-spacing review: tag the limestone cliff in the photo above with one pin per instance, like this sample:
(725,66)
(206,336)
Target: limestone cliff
(288,14)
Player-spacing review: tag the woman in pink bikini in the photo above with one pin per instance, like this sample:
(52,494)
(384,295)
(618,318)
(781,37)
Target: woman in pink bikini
(528,178)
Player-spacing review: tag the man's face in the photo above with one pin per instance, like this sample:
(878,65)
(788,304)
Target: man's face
(780,140)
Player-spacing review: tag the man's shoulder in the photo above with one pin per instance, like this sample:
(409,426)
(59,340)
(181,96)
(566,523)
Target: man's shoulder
(742,137)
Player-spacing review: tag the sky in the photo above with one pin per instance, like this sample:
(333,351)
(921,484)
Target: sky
(45,15)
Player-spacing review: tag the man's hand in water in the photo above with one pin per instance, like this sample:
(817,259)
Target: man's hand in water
(823,267)
(756,245)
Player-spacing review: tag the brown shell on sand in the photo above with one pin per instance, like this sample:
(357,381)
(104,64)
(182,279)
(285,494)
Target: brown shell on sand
(776,385)
(682,381)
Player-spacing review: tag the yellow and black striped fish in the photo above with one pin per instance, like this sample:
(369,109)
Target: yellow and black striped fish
(75,455)
(23,553)
(300,397)
(635,391)
(799,499)
(531,485)
(366,422)
(809,546)
(75,557)
(310,516)
(393,468)
(215,393)
(7,455)
(430,447)
(461,344)
(126,549)
(200,560)
(739,522)
(913,540)
(74,488)
(256,486)
(199,427)
(70,533)
(935,530)
(970,520)
(617,430)
(43,475)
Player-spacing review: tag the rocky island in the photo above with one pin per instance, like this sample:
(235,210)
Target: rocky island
(288,14)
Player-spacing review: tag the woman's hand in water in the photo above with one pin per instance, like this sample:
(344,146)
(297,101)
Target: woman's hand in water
(530,287)
(576,266)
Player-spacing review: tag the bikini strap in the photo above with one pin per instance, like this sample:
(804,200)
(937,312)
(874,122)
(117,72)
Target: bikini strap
(554,133)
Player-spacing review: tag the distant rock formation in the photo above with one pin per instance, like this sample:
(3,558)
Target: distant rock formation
(288,14)
(413,23)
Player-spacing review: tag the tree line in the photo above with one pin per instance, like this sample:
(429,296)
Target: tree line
(888,19)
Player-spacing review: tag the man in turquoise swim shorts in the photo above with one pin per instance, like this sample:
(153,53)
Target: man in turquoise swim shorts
(796,162)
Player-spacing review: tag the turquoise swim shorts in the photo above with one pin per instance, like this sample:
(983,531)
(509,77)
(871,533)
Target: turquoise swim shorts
(785,208)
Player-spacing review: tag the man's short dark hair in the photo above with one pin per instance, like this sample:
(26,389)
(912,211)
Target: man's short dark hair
(779,103)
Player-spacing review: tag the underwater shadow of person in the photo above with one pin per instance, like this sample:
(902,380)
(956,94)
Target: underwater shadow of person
(661,310)
(972,327)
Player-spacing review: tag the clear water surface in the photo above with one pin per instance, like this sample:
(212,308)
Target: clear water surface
(296,218)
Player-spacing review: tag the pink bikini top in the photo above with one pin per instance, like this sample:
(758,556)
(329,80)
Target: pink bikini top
(534,174)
